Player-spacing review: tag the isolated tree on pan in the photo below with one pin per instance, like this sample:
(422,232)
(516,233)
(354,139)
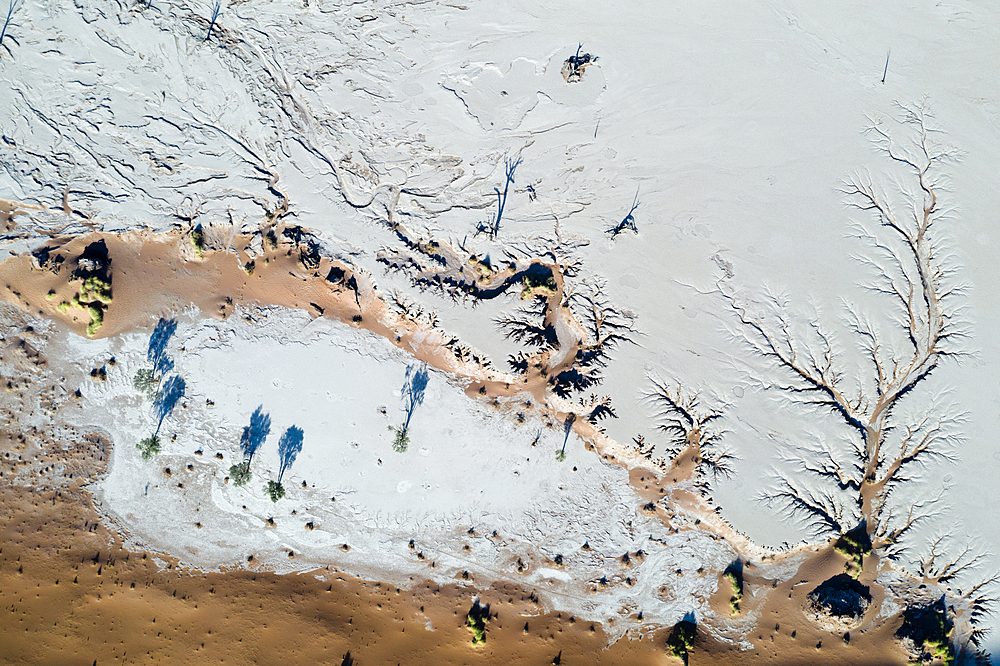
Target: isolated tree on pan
(915,277)
(147,380)
(289,447)
(168,397)
(567,428)
(414,387)
(252,438)
(492,229)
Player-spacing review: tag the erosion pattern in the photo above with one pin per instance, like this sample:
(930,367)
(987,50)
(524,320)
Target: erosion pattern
(207,235)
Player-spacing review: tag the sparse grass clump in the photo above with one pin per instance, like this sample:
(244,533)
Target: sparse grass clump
(150,446)
(241,475)
(274,490)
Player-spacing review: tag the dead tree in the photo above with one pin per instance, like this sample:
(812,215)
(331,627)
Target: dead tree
(12,6)
(889,437)
(492,229)
(216,10)
(628,222)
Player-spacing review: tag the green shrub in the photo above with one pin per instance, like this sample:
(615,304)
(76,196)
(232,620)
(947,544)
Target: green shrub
(96,318)
(854,545)
(198,241)
(681,639)
(95,289)
(737,585)
(476,621)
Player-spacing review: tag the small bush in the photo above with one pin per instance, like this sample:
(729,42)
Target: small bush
(241,474)
(149,447)
(681,639)
(737,584)
(95,289)
(275,490)
(96,318)
(198,241)
(476,621)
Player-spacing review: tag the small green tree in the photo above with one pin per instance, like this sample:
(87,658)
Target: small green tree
(145,382)
(402,440)
(275,490)
(149,447)
(240,473)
